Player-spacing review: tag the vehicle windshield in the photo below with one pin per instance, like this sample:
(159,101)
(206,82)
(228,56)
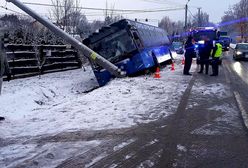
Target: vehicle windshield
(115,46)
(198,36)
(177,44)
(242,46)
(225,39)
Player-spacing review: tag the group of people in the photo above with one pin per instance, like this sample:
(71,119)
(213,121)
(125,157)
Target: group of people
(209,49)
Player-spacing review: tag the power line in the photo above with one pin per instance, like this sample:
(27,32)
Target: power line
(104,9)
(164,2)
(4,7)
(168,3)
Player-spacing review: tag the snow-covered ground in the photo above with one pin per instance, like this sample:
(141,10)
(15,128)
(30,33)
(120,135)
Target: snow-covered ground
(55,103)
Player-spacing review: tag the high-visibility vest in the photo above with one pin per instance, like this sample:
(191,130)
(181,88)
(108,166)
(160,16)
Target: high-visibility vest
(218,52)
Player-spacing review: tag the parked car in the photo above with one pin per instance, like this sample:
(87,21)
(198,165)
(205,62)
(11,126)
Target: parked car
(178,47)
(241,51)
(225,42)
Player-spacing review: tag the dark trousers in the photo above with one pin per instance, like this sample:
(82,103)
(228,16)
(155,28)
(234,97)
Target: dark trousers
(204,63)
(1,83)
(187,66)
(215,66)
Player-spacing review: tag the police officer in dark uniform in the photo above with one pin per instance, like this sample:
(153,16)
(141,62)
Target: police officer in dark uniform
(205,52)
(189,54)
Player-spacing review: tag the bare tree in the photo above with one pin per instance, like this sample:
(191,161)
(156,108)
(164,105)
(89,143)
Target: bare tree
(200,20)
(67,14)
(110,15)
(83,27)
(56,12)
(226,22)
(167,24)
(235,20)
(241,14)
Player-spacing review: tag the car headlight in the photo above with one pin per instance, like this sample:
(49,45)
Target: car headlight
(239,53)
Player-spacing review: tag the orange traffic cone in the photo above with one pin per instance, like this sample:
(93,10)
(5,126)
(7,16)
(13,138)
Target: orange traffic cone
(183,61)
(172,66)
(157,73)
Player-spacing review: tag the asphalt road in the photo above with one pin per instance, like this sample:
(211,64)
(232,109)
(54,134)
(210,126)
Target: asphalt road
(207,130)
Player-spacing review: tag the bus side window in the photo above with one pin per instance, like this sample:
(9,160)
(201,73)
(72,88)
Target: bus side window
(135,35)
(137,39)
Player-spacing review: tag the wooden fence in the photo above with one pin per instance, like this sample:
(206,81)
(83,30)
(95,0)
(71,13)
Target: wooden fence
(28,60)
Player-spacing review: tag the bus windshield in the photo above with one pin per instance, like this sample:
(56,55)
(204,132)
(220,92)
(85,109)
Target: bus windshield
(115,46)
(199,35)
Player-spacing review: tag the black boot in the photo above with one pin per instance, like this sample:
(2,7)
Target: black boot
(2,118)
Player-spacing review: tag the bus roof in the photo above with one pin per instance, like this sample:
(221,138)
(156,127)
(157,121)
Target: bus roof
(115,27)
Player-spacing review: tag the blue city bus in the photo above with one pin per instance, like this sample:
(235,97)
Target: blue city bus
(130,45)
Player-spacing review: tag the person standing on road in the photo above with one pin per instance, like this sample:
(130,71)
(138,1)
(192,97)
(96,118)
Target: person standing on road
(4,66)
(189,55)
(217,52)
(205,52)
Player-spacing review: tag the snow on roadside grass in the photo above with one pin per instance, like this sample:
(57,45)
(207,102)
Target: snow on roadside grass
(22,97)
(56,102)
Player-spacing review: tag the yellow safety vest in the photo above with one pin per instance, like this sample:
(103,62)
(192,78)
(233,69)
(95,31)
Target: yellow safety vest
(218,52)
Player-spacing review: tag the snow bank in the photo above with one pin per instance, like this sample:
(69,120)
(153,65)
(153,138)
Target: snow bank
(56,102)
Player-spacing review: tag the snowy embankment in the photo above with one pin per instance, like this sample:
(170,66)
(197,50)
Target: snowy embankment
(57,103)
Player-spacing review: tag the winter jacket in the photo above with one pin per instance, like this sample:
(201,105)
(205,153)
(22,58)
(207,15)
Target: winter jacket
(205,50)
(190,50)
(4,66)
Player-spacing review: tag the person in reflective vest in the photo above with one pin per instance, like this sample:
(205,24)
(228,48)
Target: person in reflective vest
(217,52)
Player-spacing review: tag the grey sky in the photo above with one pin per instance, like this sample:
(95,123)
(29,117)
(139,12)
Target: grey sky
(215,8)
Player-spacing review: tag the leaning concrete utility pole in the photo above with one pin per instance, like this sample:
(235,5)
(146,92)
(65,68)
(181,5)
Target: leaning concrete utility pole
(101,61)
